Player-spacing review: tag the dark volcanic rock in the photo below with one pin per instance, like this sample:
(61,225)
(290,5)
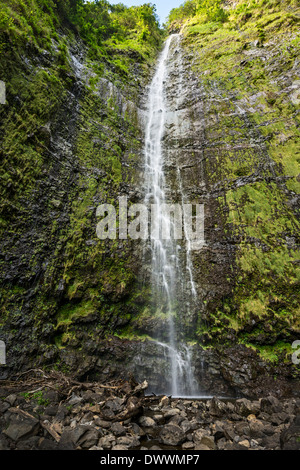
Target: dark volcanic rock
(290,437)
(186,424)
(21,426)
(64,292)
(172,435)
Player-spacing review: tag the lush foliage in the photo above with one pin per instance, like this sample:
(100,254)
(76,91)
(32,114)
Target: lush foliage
(103,26)
(70,138)
(247,63)
(116,39)
(210,10)
(116,26)
(188,9)
(217,11)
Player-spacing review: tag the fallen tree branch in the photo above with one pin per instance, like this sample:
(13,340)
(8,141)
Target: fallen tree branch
(21,412)
(46,425)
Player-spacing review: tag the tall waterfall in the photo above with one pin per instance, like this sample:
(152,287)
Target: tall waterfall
(167,268)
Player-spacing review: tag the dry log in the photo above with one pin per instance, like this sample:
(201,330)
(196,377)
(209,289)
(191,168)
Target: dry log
(50,429)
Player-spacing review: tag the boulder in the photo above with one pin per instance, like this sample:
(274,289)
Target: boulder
(244,407)
(208,441)
(217,407)
(47,444)
(4,444)
(66,442)
(22,426)
(234,446)
(119,447)
(289,438)
(129,441)
(270,405)
(11,399)
(201,437)
(118,430)
(165,401)
(244,443)
(201,447)
(116,405)
(257,428)
(28,444)
(106,442)
(83,436)
(146,422)
(172,435)
(171,412)
(74,399)
(188,445)
(186,425)
(217,430)
(89,439)
(242,428)
(271,442)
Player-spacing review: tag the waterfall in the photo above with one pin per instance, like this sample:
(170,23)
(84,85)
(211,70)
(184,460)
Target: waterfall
(167,269)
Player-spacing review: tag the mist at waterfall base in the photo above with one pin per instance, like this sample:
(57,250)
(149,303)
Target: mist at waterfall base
(170,274)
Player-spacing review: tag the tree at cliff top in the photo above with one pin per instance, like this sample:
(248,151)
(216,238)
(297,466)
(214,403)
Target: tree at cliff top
(101,25)
(211,10)
(219,10)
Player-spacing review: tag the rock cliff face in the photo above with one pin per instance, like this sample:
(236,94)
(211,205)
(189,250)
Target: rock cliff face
(245,80)
(218,155)
(72,140)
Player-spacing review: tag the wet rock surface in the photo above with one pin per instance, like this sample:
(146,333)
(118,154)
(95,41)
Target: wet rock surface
(120,416)
(63,302)
(229,371)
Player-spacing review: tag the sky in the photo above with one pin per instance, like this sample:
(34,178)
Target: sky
(163,7)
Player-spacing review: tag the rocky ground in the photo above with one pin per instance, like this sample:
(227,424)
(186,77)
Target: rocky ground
(53,412)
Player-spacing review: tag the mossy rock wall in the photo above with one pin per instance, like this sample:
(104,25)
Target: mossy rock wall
(244,87)
(71,139)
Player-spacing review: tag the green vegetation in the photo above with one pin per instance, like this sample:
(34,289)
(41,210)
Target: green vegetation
(263,12)
(111,29)
(64,287)
(204,10)
(38,397)
(66,146)
(104,27)
(244,57)
(116,38)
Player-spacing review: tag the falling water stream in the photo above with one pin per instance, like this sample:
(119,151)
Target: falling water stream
(167,267)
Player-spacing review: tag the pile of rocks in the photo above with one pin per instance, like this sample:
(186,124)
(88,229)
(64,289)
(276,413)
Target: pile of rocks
(123,418)
(216,424)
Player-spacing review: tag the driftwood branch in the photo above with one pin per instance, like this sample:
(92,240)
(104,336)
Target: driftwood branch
(50,429)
